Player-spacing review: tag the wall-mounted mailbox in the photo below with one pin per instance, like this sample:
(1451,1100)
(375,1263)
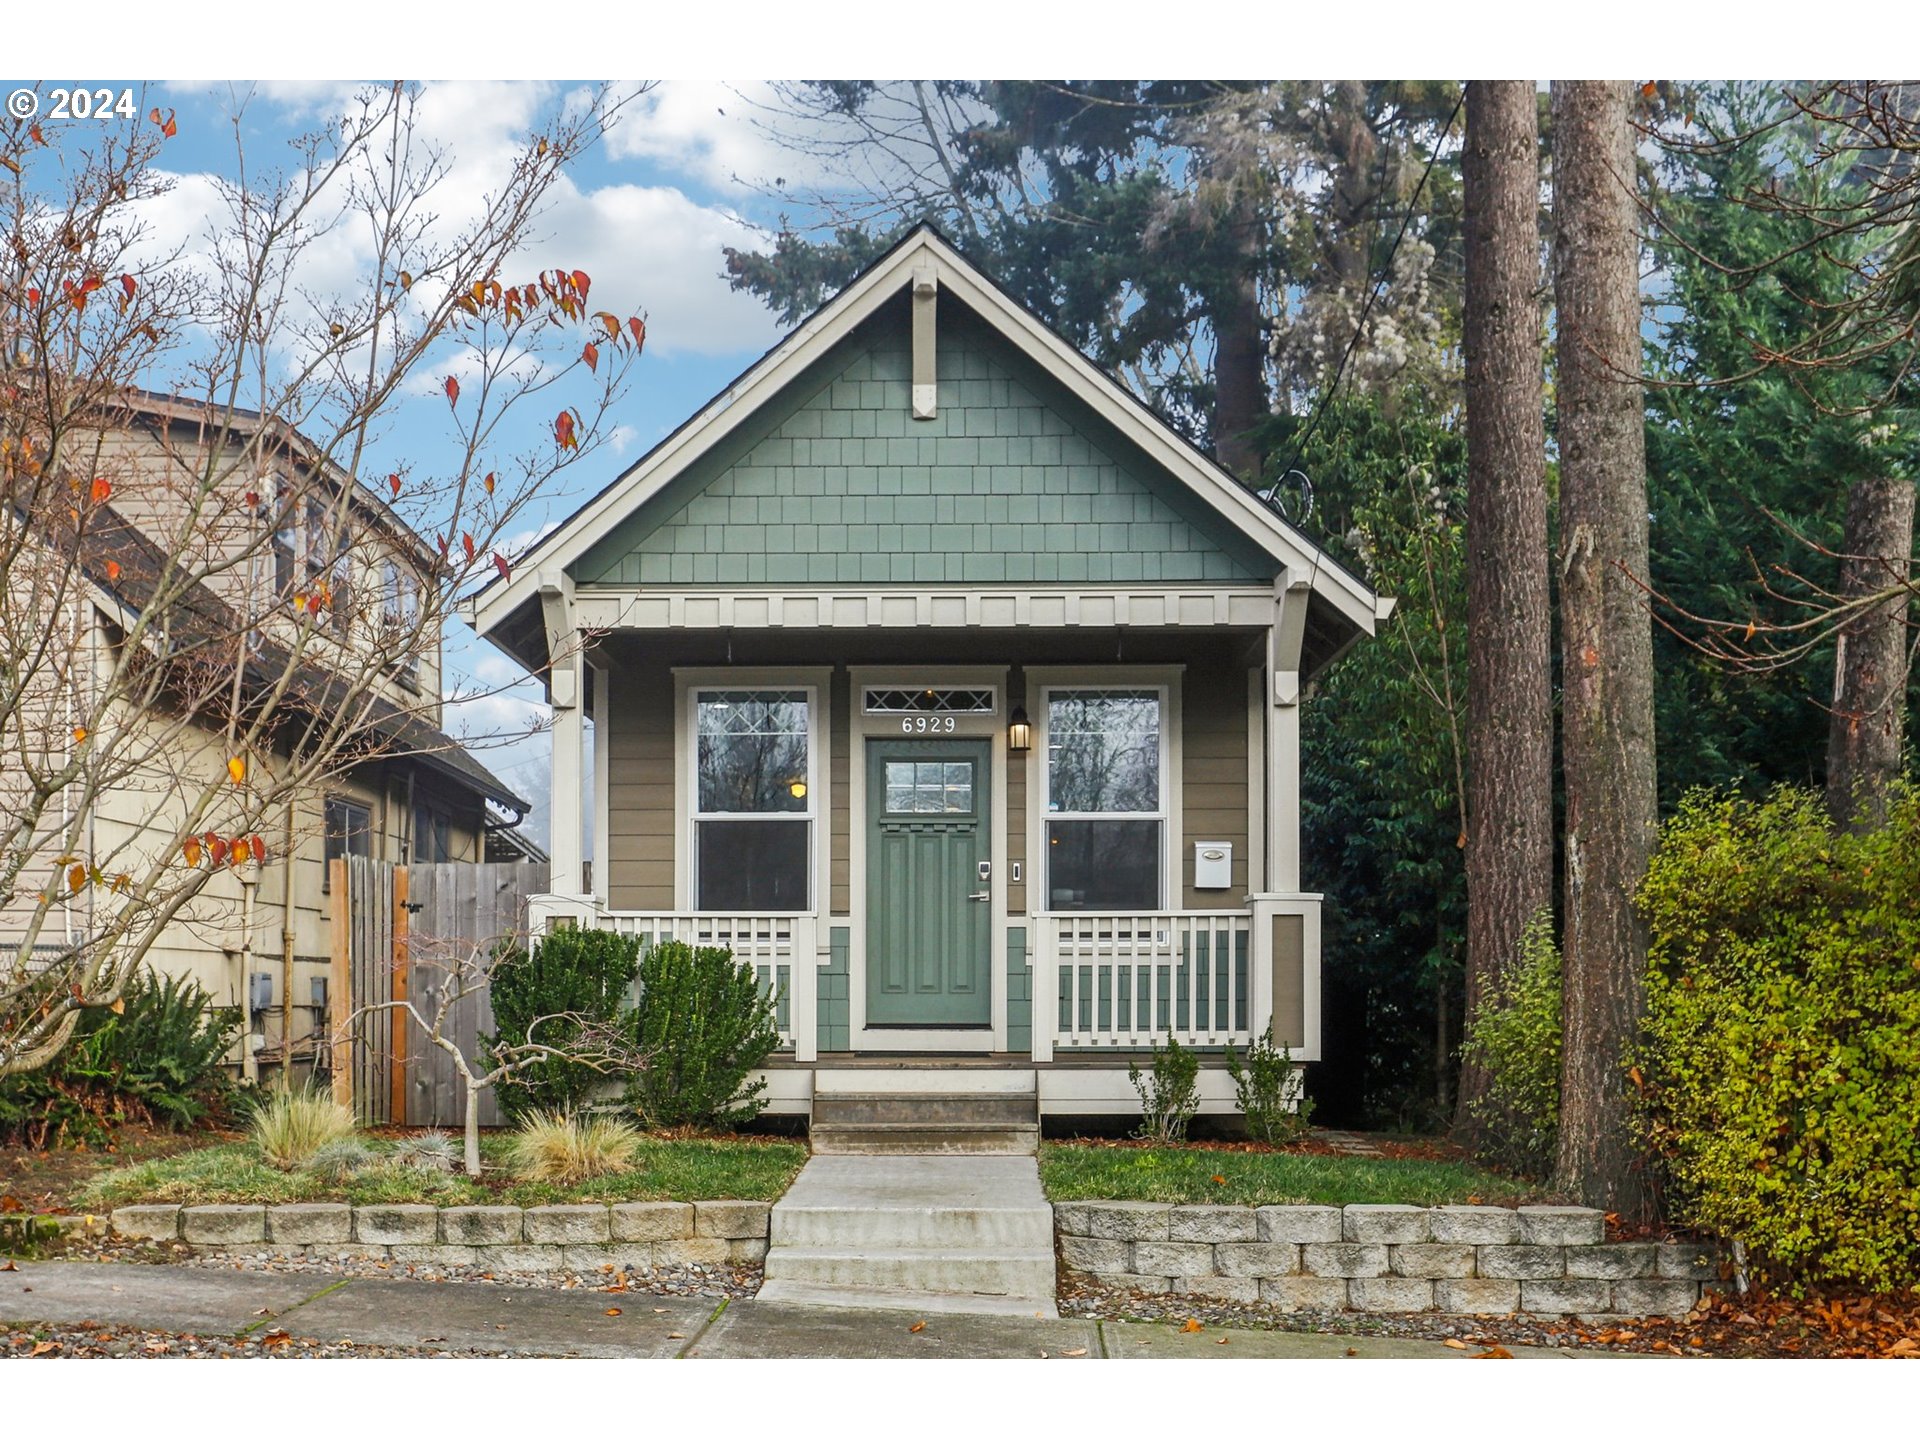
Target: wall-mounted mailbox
(260,991)
(1212,865)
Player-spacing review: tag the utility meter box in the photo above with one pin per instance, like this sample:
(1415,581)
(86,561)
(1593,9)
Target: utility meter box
(1212,865)
(260,991)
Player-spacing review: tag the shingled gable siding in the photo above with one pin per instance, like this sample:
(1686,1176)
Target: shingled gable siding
(1012,481)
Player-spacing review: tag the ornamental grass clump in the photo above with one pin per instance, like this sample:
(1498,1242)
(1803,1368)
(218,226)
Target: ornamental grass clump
(1781,1061)
(290,1127)
(565,1149)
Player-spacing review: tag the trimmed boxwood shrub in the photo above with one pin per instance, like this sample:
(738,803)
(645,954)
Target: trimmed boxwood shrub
(571,971)
(703,1025)
(1782,1054)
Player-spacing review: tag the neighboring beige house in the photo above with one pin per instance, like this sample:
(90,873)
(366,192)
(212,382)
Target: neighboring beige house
(935,675)
(258,937)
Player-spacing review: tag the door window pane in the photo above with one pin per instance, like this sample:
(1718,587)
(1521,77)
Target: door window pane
(751,752)
(929,787)
(1103,864)
(752,865)
(1103,751)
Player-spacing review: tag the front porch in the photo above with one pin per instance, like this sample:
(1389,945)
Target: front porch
(1119,984)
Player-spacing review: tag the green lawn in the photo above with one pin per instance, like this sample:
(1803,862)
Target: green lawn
(1184,1176)
(234,1174)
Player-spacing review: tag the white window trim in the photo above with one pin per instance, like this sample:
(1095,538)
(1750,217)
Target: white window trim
(1041,680)
(688,683)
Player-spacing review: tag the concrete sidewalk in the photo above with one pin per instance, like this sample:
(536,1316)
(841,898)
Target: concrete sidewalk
(509,1321)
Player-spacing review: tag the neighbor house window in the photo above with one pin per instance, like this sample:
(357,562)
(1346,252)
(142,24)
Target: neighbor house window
(349,832)
(1105,800)
(286,540)
(432,836)
(752,800)
(400,610)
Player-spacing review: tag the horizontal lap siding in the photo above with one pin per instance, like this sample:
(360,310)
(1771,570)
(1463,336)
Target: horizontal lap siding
(640,788)
(1213,778)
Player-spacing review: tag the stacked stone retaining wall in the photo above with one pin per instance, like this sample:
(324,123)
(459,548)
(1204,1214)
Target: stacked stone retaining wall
(1459,1259)
(641,1235)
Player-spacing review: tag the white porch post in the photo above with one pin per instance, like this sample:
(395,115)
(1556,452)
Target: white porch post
(565,692)
(602,806)
(1284,639)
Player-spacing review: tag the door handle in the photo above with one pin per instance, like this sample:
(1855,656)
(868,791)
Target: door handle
(981,895)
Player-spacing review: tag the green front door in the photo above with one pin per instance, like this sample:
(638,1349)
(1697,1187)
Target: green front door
(929,923)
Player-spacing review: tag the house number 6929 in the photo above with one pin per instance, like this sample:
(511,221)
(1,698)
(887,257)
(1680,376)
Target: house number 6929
(925,724)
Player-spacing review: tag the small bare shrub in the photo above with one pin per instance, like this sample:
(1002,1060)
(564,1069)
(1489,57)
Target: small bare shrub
(430,1150)
(568,1149)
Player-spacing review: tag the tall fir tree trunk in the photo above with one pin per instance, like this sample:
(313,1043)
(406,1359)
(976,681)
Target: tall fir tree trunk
(1606,633)
(1509,603)
(1868,723)
(1240,351)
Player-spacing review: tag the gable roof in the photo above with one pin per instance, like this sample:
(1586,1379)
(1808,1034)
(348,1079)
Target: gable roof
(1340,592)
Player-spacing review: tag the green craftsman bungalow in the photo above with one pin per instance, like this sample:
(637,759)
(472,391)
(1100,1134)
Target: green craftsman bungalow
(933,674)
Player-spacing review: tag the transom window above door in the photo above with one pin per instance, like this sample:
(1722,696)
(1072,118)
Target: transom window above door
(929,787)
(1105,799)
(935,701)
(753,800)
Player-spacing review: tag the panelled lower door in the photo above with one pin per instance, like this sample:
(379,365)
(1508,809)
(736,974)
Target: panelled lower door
(929,921)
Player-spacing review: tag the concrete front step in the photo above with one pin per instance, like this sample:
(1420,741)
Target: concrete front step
(920,1226)
(837,1109)
(1026,1274)
(913,1138)
(894,1077)
(913,1226)
(908,1302)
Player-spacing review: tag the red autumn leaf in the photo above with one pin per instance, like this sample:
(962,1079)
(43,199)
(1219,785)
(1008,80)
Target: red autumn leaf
(33,295)
(167,127)
(453,391)
(217,847)
(500,564)
(259,849)
(253,499)
(190,850)
(113,569)
(240,851)
(35,132)
(638,327)
(488,482)
(466,543)
(127,284)
(77,879)
(591,354)
(563,430)
(611,323)
(443,544)
(101,490)
(393,484)
(581,282)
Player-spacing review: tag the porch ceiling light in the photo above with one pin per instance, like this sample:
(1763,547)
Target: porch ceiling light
(1019,732)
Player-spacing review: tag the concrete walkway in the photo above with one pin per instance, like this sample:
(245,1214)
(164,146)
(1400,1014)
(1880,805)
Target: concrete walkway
(507,1321)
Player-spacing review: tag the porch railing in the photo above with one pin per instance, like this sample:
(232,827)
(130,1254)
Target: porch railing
(780,948)
(1138,980)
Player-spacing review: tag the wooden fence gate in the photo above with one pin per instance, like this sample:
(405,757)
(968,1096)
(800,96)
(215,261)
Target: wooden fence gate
(399,932)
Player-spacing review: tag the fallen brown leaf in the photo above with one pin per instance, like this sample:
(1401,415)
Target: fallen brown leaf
(1455,1344)
(916,1327)
(1192,1327)
(1495,1352)
(613,1309)
(1074,1354)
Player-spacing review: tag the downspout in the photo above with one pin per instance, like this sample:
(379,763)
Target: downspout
(249,1056)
